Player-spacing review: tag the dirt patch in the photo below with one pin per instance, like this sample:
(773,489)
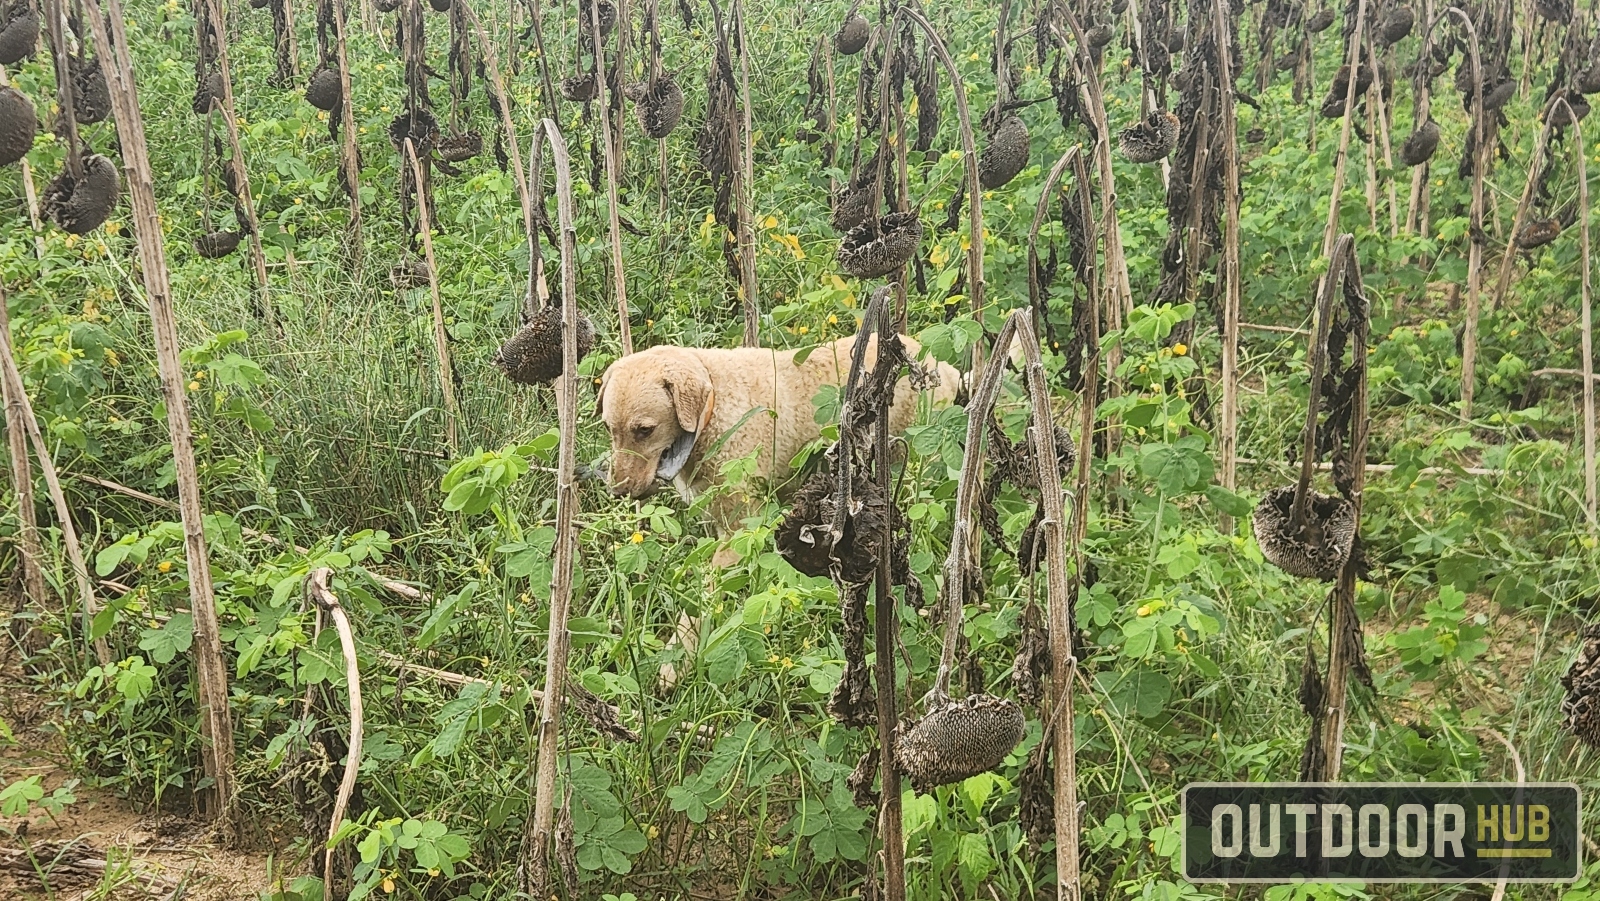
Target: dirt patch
(99,846)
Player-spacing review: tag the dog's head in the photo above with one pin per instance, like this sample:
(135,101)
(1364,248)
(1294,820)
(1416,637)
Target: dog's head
(656,403)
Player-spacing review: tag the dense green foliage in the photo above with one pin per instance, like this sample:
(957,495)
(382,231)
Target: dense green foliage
(329,435)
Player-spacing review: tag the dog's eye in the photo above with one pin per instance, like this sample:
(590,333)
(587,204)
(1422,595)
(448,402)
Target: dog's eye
(643,431)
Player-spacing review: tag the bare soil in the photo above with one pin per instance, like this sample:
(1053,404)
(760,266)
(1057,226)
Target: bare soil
(101,847)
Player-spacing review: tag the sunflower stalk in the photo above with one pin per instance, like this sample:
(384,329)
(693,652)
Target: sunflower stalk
(533,870)
(441,339)
(241,177)
(619,276)
(216,724)
(1541,149)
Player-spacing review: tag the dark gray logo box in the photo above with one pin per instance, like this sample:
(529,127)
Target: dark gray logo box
(1446,832)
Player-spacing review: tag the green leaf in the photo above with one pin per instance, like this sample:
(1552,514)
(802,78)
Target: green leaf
(972,854)
(1226,501)
(439,623)
(1173,470)
(137,680)
(16,798)
(173,638)
(725,662)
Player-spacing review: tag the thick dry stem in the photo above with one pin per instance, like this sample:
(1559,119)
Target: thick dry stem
(1228,434)
(745,190)
(963,536)
(17,395)
(241,178)
(17,416)
(540,825)
(492,63)
(349,159)
(1540,148)
(441,340)
(1475,235)
(1341,155)
(1343,598)
(1059,600)
(619,275)
(1588,329)
(216,725)
(1317,359)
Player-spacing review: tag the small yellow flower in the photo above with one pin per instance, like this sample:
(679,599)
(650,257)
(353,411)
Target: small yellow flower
(786,663)
(769,222)
(638,538)
(388,885)
(297,201)
(649,323)
(1144,610)
(194,386)
(834,320)
(164,566)
(1180,349)
(113,227)
(651,831)
(112,359)
(803,329)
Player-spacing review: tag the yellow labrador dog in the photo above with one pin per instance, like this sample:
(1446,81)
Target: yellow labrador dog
(676,414)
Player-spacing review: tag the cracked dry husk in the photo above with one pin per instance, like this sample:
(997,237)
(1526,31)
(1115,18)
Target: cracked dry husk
(864,254)
(91,96)
(79,207)
(1581,706)
(657,110)
(1538,232)
(1326,539)
(1419,147)
(860,780)
(218,244)
(1032,663)
(533,355)
(323,90)
(1036,798)
(19,124)
(958,740)
(851,38)
(1150,139)
(1005,155)
(20,36)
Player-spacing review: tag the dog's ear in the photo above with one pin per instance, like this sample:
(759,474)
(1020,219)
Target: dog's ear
(692,396)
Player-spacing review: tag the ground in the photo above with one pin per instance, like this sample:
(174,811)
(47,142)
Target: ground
(113,849)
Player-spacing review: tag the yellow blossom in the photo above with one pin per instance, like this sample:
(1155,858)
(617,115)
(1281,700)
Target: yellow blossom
(769,222)
(194,386)
(803,329)
(164,566)
(1144,610)
(1180,349)
(638,538)
(388,885)
(832,320)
